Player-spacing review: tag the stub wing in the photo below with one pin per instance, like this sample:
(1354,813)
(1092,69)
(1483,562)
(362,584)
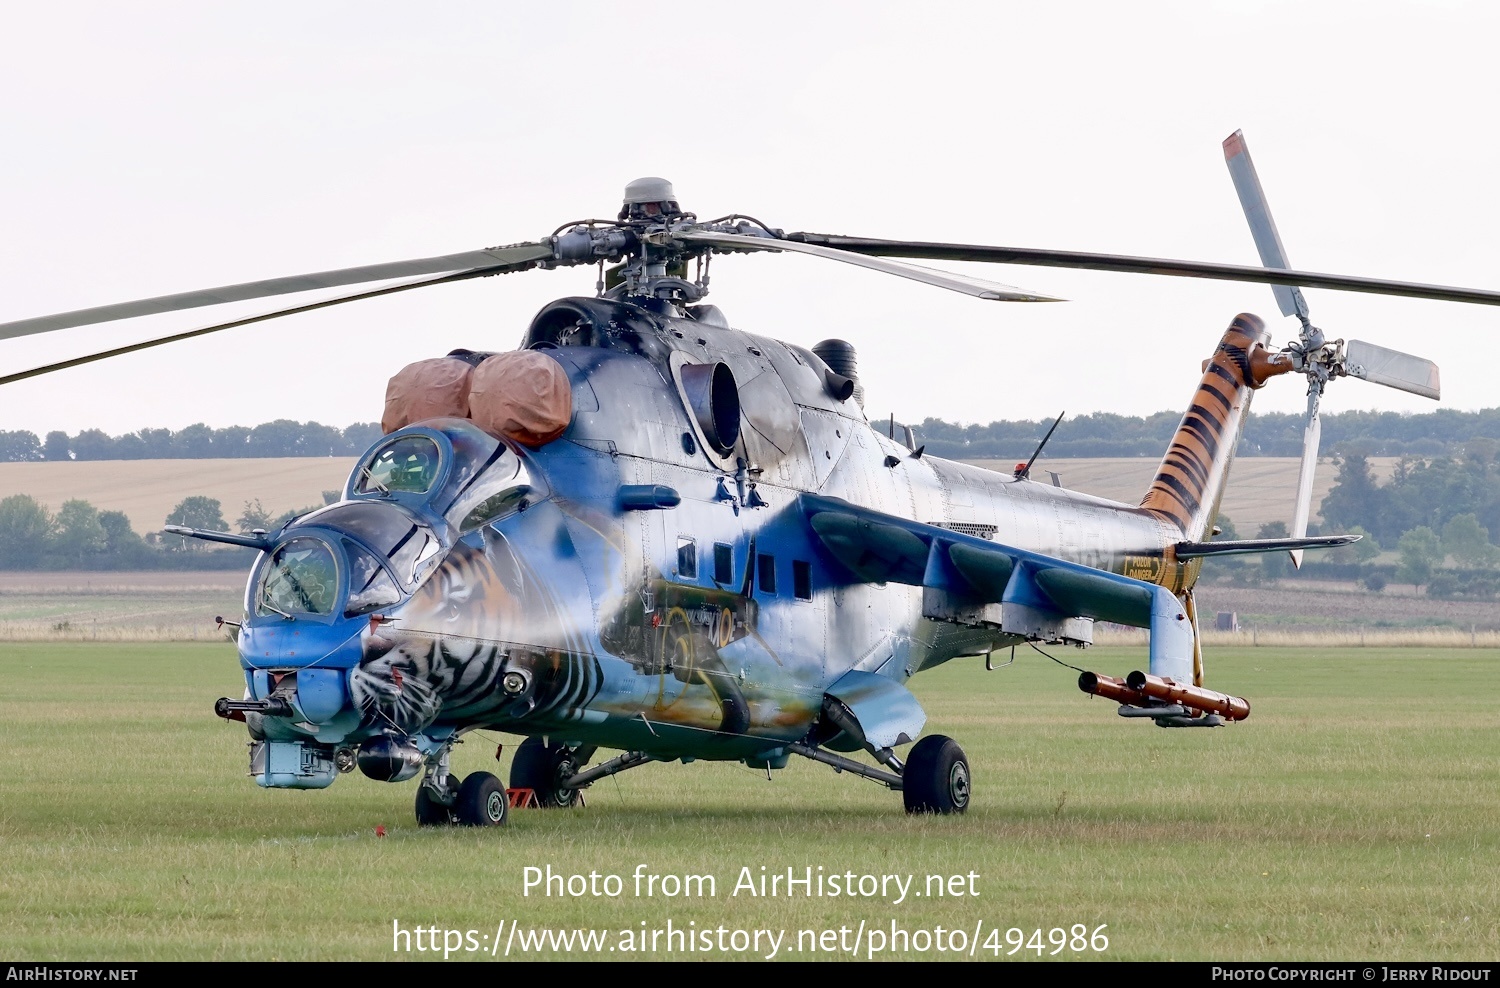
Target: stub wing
(1018,591)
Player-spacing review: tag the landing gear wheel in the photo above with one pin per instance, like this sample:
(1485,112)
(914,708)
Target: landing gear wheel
(539,766)
(481,801)
(936,777)
(431,813)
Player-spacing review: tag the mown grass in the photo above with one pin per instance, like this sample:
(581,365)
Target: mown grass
(115,612)
(1355,815)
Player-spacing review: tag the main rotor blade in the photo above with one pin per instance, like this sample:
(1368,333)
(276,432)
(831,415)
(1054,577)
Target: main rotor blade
(1141,265)
(205,330)
(1262,226)
(976,287)
(495,260)
(1312,435)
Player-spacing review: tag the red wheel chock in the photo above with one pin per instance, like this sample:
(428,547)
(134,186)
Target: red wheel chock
(523,799)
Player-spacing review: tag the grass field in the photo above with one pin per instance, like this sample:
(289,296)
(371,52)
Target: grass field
(154,605)
(1355,815)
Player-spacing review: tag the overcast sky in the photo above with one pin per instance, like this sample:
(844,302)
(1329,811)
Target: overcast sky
(160,147)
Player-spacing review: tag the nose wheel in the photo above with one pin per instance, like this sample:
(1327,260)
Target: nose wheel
(478,801)
(481,801)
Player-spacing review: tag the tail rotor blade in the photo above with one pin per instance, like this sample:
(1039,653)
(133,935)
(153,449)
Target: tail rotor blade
(1312,434)
(1392,368)
(1262,226)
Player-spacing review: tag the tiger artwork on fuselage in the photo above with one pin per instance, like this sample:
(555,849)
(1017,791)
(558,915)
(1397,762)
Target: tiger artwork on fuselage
(440,662)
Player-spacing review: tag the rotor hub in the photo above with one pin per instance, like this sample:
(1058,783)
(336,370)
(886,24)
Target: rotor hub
(649,199)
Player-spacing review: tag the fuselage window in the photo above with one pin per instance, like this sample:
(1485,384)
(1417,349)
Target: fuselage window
(802,579)
(765,575)
(723,564)
(687,558)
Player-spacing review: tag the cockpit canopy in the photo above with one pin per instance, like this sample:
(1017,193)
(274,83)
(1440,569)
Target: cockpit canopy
(302,577)
(410,497)
(408,464)
(407,544)
(448,468)
(349,558)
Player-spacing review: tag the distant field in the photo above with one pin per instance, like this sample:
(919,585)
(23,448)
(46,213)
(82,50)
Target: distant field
(1355,815)
(146,606)
(1260,488)
(148,490)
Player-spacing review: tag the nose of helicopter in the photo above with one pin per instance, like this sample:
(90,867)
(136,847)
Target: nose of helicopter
(311,604)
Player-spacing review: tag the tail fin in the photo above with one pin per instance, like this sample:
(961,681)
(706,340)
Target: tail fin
(1190,480)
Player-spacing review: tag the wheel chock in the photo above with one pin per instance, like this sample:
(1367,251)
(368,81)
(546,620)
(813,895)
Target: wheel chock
(523,799)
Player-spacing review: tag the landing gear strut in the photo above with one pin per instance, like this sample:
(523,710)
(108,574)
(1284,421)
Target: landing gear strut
(432,811)
(934,779)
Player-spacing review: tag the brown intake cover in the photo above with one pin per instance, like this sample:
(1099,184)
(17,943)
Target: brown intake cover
(521,395)
(426,389)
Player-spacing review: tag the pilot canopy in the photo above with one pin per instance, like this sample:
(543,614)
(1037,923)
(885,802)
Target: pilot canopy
(448,469)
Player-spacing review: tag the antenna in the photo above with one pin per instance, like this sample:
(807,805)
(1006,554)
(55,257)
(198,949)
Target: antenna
(1024,471)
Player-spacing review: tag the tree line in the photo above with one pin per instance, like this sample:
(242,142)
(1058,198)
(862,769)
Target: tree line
(1436,433)
(1434,524)
(1440,432)
(282,437)
(80,536)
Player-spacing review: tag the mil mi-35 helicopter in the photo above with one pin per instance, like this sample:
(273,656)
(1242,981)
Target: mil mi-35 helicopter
(647,531)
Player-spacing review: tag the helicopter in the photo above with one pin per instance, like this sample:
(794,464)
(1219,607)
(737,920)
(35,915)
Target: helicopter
(645,531)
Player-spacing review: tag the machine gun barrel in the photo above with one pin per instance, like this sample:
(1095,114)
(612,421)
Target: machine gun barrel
(274,706)
(1195,697)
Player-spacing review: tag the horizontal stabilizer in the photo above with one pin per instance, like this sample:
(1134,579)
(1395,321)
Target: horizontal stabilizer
(1244,547)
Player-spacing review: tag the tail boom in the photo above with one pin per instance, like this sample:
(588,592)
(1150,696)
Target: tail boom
(1190,481)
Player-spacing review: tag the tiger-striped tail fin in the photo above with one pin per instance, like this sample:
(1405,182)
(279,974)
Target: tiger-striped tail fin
(1190,481)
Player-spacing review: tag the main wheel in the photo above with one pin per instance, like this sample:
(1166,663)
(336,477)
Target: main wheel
(481,801)
(431,813)
(936,777)
(539,766)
